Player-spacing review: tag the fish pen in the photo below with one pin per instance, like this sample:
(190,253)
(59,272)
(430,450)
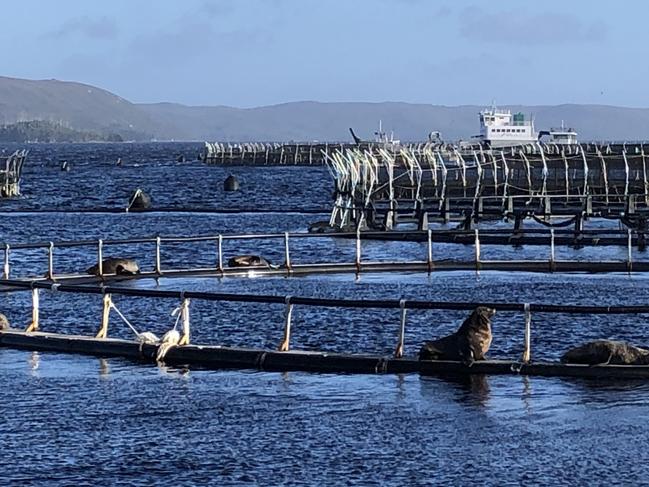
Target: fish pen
(146,347)
(11,168)
(433,181)
(292,154)
(327,255)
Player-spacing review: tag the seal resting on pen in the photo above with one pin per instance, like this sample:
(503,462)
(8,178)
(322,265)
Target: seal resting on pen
(606,352)
(115,265)
(469,343)
(250,261)
(4,322)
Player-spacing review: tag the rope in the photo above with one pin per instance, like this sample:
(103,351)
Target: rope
(565,223)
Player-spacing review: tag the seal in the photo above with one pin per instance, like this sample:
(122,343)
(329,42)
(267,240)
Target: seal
(469,343)
(605,352)
(115,265)
(249,261)
(139,200)
(4,323)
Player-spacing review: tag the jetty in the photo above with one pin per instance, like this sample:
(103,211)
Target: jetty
(11,168)
(284,358)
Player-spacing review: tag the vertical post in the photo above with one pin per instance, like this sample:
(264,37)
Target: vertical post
(527,350)
(105,316)
(477,250)
(50,261)
(184,315)
(220,252)
(34,325)
(6,263)
(100,257)
(398,352)
(284,346)
(552,265)
(447,210)
(287,255)
(358,249)
(430,250)
(158,269)
(629,247)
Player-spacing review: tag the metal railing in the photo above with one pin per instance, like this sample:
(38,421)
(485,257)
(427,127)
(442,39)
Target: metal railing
(289,302)
(289,266)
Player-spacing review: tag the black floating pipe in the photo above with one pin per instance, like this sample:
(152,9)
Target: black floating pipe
(322,302)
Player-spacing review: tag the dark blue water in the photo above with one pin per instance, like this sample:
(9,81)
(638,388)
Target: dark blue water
(70,420)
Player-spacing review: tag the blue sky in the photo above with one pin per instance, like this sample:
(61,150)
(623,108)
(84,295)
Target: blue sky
(257,52)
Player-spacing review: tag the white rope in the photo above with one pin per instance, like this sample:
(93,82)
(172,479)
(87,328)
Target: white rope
(644,175)
(128,323)
(626,173)
(506,171)
(583,156)
(544,172)
(604,172)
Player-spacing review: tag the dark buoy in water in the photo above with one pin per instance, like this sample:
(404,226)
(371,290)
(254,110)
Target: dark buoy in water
(180,158)
(231,183)
(65,166)
(139,200)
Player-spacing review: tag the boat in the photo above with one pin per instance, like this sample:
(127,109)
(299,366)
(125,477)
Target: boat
(501,128)
(563,135)
(381,139)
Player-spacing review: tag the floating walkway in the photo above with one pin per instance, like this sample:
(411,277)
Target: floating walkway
(340,261)
(216,357)
(284,358)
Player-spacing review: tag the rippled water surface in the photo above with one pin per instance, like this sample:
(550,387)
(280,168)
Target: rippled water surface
(70,420)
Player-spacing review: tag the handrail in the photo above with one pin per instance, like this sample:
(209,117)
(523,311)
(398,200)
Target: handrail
(365,234)
(324,302)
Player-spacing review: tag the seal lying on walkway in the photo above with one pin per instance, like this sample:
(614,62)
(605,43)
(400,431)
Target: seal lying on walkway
(114,265)
(469,343)
(4,322)
(250,261)
(605,352)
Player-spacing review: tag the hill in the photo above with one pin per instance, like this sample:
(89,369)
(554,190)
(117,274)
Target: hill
(87,108)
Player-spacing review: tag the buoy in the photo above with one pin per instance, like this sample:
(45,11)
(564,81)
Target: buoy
(65,166)
(139,200)
(231,183)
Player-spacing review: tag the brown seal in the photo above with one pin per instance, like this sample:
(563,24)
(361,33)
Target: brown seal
(249,261)
(605,352)
(469,343)
(115,265)
(4,322)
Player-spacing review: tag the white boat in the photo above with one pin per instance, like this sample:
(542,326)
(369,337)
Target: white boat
(563,135)
(501,128)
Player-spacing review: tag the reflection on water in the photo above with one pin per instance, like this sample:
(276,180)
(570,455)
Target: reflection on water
(250,427)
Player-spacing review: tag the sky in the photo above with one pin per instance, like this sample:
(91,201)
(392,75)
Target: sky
(248,53)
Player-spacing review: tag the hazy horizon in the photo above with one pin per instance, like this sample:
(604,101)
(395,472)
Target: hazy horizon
(250,53)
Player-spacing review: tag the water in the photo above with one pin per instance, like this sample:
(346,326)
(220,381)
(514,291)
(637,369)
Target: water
(71,420)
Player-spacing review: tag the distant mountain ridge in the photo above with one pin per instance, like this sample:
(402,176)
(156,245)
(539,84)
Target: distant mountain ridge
(88,108)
